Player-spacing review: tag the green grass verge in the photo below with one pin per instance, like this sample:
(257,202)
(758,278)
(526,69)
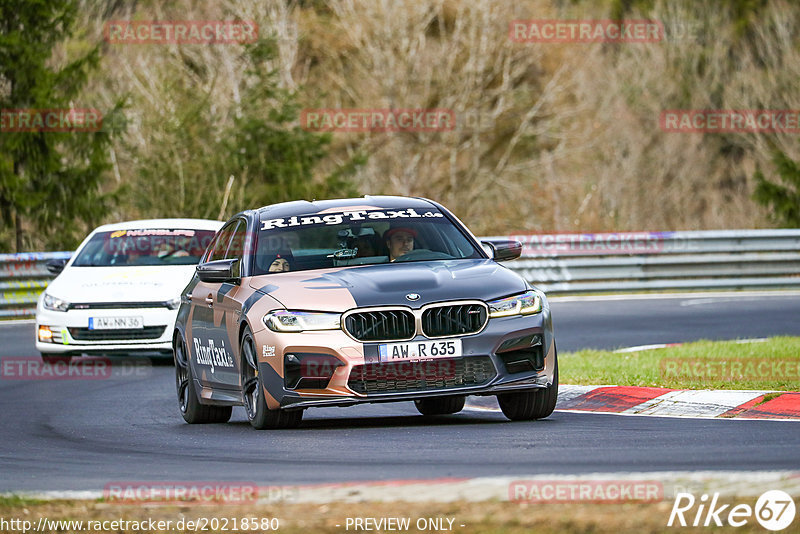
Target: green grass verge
(772,365)
(489,517)
(11,501)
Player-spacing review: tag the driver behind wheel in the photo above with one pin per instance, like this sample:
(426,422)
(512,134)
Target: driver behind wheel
(399,240)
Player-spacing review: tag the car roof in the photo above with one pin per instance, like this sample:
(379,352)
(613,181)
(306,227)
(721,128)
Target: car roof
(189,224)
(303,207)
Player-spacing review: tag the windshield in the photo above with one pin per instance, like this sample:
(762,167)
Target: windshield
(361,237)
(144,247)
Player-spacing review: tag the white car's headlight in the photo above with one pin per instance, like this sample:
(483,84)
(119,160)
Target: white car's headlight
(526,303)
(52,303)
(173,304)
(298,321)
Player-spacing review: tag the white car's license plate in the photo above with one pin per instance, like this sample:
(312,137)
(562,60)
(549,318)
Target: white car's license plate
(420,350)
(112,323)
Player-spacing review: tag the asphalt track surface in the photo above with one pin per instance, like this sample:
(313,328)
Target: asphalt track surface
(82,435)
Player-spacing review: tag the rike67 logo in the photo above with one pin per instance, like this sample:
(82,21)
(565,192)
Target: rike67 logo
(774,510)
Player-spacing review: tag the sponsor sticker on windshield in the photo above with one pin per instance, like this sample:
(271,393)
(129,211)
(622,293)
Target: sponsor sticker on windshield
(163,243)
(159,231)
(331,219)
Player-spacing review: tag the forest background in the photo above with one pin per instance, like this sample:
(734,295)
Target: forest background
(549,137)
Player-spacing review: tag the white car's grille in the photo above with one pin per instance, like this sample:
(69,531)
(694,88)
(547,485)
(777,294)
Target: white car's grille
(116,305)
(123,334)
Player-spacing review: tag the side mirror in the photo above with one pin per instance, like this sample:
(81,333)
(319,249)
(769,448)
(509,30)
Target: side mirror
(56,266)
(503,250)
(219,271)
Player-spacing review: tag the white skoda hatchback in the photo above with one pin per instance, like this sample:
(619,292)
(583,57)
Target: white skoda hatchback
(120,291)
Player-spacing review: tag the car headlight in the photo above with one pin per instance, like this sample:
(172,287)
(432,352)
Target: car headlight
(298,321)
(526,303)
(52,303)
(173,304)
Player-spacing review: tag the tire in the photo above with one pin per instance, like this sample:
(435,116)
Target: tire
(156,361)
(259,415)
(531,404)
(440,405)
(55,358)
(192,411)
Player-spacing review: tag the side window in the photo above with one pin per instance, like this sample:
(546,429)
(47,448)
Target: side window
(221,243)
(236,247)
(209,249)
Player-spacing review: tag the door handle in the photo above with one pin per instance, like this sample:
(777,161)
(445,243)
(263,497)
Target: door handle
(210,300)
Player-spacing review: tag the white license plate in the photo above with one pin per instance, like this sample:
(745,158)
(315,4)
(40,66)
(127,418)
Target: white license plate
(113,323)
(420,350)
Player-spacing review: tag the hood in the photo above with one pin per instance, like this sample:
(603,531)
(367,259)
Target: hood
(121,284)
(388,284)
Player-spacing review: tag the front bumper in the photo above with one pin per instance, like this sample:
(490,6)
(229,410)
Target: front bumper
(486,351)
(70,333)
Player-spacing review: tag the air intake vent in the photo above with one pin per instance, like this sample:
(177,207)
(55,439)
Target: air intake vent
(126,334)
(383,325)
(116,305)
(402,377)
(454,320)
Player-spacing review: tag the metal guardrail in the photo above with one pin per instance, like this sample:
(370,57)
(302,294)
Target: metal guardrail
(647,261)
(563,263)
(22,278)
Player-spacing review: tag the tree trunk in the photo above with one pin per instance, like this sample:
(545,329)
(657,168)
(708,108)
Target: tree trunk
(17,218)
(18,231)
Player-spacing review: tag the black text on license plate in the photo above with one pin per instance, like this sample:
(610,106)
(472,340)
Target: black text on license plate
(115,323)
(420,350)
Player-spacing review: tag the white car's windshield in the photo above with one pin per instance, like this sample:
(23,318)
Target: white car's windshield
(154,246)
(362,237)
